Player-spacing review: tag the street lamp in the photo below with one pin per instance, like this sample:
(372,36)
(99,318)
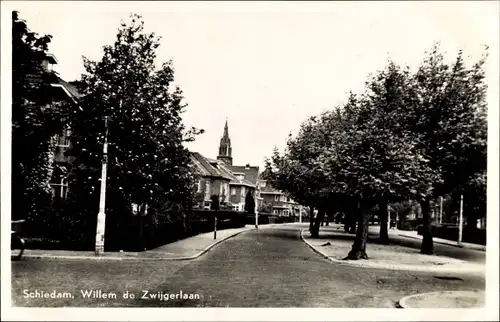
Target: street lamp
(101,216)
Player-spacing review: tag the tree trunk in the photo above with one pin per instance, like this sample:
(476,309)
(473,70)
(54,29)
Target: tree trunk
(347,222)
(317,223)
(353,222)
(311,218)
(383,216)
(358,250)
(427,243)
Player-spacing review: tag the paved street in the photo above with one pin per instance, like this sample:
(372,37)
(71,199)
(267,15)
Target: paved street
(267,268)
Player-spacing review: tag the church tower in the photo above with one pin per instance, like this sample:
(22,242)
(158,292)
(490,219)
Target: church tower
(225,149)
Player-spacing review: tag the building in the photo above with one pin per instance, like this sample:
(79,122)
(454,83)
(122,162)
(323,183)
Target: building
(244,182)
(247,176)
(62,91)
(236,181)
(214,180)
(277,202)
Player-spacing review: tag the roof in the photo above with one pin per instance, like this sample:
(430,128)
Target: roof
(207,168)
(71,88)
(268,189)
(68,89)
(244,182)
(51,58)
(251,173)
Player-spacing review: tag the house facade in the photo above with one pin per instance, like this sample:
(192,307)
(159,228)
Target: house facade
(279,203)
(214,179)
(62,91)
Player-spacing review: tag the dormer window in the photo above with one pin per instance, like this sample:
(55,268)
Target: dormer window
(263,184)
(49,62)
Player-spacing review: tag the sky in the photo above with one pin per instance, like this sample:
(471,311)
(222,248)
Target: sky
(266,67)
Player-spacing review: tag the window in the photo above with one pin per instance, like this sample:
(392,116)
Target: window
(60,188)
(207,187)
(241,176)
(62,140)
(275,211)
(242,191)
(276,198)
(199,186)
(263,184)
(233,191)
(236,208)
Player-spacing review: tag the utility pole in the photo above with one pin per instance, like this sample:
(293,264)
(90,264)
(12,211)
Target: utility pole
(460,220)
(256,218)
(101,216)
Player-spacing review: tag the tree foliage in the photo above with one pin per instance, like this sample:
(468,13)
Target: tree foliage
(147,162)
(36,118)
(249,203)
(408,136)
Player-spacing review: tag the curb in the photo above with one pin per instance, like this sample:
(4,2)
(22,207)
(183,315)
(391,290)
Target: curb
(402,303)
(417,268)
(138,258)
(479,248)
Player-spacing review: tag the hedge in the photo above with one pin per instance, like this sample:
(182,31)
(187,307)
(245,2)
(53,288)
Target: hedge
(125,231)
(474,236)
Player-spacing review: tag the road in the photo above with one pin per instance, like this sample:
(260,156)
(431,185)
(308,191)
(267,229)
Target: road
(270,267)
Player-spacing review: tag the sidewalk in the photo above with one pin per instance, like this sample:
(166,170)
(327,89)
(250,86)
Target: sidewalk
(334,244)
(444,300)
(413,234)
(184,249)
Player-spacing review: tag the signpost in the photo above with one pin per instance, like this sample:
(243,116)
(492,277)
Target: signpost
(215,226)
(460,220)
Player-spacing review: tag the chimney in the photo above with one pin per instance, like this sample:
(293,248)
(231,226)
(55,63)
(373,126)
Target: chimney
(247,167)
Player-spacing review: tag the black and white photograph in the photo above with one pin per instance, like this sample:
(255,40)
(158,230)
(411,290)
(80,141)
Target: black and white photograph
(329,156)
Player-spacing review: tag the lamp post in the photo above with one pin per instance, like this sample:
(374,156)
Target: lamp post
(101,216)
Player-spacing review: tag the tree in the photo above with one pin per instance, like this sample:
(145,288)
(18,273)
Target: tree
(404,169)
(36,118)
(214,205)
(147,162)
(266,208)
(408,136)
(249,203)
(449,120)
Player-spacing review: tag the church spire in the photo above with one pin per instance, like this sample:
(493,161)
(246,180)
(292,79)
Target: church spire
(225,149)
(226,131)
